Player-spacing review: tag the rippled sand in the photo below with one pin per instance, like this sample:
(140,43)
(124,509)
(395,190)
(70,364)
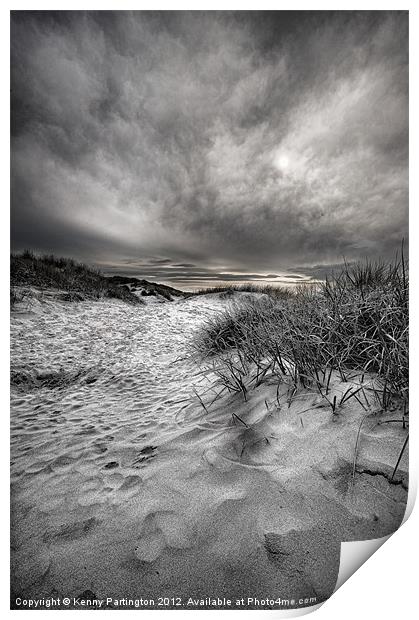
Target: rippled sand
(122,485)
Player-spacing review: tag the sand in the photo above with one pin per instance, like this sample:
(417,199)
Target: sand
(124,487)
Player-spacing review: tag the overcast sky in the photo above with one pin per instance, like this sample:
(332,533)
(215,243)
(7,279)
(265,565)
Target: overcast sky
(192,147)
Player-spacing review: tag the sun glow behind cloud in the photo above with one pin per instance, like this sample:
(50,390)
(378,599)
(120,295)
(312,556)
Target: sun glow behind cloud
(282,162)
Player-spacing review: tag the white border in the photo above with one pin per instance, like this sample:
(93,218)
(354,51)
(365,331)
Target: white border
(386,585)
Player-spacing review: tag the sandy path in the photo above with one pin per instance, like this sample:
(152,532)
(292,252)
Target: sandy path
(78,447)
(122,489)
(119,380)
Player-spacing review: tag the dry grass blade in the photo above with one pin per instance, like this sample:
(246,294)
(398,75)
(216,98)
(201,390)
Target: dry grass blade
(356,451)
(400,457)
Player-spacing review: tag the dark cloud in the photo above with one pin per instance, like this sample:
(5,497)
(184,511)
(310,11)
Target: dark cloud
(232,142)
(159,261)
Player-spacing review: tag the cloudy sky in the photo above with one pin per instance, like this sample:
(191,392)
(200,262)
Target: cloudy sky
(198,147)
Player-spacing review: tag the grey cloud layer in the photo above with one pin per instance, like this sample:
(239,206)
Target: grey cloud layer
(227,141)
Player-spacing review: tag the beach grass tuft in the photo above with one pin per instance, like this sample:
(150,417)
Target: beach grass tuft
(356,321)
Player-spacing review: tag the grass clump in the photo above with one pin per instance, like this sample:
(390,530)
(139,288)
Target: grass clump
(149,289)
(49,271)
(276,292)
(356,320)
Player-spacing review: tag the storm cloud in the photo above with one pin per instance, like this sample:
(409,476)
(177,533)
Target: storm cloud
(210,146)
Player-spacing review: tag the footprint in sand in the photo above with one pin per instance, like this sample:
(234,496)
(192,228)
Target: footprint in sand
(175,527)
(130,482)
(71,531)
(163,529)
(143,455)
(150,546)
(90,484)
(111,465)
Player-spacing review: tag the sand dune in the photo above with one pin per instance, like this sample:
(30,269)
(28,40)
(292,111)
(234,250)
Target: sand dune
(124,486)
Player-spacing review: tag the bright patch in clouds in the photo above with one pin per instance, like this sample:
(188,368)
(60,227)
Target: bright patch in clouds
(282,162)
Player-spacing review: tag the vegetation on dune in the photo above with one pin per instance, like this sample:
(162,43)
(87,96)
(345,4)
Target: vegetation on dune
(149,288)
(354,322)
(277,292)
(49,271)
